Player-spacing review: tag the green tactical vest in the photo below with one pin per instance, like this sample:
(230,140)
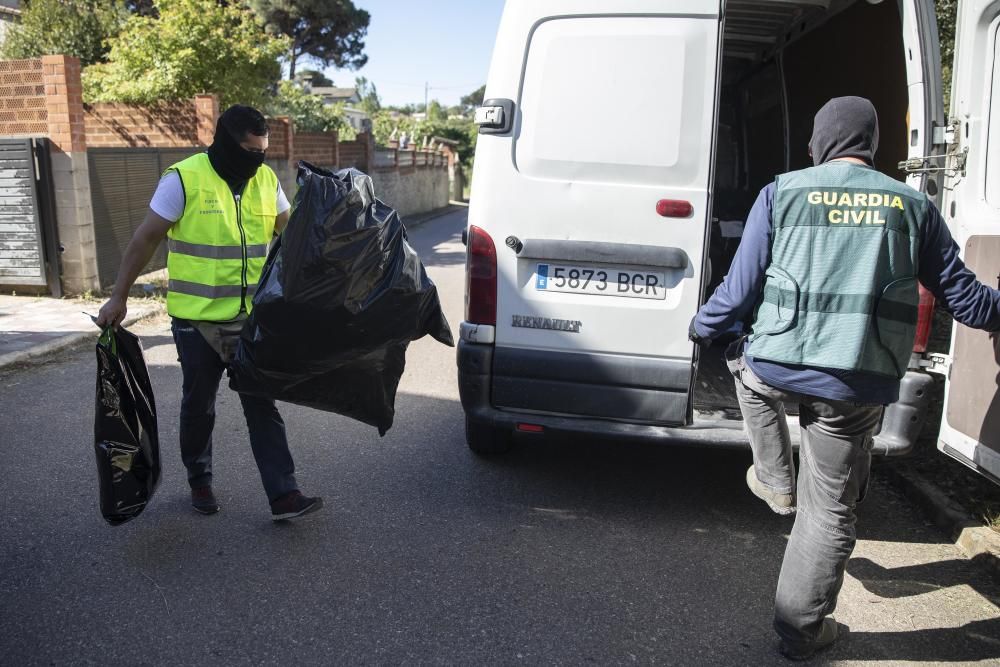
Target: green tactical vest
(218,247)
(841,289)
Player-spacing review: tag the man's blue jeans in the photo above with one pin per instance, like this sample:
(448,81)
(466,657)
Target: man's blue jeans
(834,462)
(202,368)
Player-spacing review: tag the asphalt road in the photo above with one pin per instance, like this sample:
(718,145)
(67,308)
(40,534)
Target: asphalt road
(568,552)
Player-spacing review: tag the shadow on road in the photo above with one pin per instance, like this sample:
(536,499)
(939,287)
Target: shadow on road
(913,580)
(977,640)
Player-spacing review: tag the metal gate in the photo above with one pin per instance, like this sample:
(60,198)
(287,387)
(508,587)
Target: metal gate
(122,181)
(29,242)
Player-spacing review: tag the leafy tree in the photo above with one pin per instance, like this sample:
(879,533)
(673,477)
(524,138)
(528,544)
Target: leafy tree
(370,103)
(435,113)
(78,28)
(405,109)
(312,77)
(473,99)
(331,32)
(947,13)
(196,46)
(307,111)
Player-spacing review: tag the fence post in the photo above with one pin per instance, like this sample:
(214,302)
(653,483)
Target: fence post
(369,142)
(207,110)
(70,173)
(289,140)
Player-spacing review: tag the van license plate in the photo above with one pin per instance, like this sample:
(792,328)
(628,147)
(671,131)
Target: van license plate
(600,282)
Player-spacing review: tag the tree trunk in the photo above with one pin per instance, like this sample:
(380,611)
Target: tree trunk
(292,57)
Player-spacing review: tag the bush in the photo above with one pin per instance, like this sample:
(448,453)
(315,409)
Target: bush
(307,111)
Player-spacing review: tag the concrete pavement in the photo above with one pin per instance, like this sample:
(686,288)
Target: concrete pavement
(39,327)
(563,552)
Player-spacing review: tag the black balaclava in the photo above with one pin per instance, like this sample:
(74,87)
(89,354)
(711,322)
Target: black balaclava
(231,161)
(845,127)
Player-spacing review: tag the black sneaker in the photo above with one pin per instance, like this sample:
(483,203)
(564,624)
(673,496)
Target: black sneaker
(203,500)
(293,505)
(828,633)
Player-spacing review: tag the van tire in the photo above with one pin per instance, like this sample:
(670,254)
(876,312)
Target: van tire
(486,440)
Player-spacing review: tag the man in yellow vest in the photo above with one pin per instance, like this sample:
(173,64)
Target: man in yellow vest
(218,211)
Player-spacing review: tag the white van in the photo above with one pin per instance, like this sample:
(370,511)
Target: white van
(622,143)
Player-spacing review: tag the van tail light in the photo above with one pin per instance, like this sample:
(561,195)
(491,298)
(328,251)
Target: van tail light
(481,278)
(925,316)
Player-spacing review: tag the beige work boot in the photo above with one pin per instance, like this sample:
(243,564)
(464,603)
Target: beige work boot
(780,503)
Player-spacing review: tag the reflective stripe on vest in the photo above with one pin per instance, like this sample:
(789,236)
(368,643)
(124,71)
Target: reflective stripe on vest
(209,291)
(217,249)
(214,251)
(841,289)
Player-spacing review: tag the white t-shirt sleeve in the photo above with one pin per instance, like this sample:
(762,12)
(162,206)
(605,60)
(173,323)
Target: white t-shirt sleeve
(168,200)
(283,204)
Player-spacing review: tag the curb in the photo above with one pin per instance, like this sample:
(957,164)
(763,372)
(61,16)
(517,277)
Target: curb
(980,543)
(72,339)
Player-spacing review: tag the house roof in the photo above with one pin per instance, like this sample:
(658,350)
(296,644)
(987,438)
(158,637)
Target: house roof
(10,7)
(334,93)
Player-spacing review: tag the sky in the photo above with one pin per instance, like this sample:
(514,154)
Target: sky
(445,43)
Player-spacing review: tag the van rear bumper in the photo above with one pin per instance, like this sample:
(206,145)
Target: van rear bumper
(475,383)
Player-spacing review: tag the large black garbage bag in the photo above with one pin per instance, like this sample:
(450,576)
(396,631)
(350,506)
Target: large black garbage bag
(125,431)
(340,298)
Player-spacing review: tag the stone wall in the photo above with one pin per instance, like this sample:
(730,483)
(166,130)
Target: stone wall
(414,191)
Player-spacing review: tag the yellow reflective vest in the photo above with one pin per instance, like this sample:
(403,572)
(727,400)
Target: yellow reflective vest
(216,251)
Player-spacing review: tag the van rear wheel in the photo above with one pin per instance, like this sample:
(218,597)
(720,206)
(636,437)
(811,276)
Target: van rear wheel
(486,440)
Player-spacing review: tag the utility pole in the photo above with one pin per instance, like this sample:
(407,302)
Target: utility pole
(426,88)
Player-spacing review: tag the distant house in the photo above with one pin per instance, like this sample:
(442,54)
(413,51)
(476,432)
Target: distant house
(355,117)
(332,94)
(10,11)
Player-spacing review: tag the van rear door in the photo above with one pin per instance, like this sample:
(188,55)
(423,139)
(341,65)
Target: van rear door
(601,193)
(970,430)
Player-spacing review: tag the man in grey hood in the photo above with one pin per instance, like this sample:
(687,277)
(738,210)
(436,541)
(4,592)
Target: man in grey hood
(825,280)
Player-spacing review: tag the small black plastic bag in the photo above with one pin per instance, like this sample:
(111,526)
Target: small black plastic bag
(125,436)
(340,299)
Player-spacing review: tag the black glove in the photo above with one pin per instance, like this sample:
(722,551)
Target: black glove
(695,338)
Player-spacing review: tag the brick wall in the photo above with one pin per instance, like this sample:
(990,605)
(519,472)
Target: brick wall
(354,154)
(22,98)
(64,103)
(111,125)
(279,139)
(318,148)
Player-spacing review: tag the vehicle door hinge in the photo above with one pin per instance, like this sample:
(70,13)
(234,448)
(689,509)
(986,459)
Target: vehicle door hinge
(935,363)
(951,162)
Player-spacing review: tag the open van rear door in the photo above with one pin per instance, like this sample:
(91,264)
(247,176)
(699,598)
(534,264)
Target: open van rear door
(970,425)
